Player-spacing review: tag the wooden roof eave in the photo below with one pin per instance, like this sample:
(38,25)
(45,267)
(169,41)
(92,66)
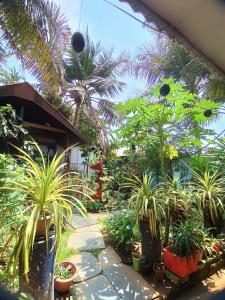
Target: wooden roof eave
(164,27)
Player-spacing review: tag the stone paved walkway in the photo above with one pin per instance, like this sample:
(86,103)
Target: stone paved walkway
(104,277)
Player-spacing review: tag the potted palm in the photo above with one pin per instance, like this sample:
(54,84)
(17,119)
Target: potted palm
(64,275)
(148,206)
(48,199)
(209,192)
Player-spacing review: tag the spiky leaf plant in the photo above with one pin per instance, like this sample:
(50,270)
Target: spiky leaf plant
(48,190)
(209,190)
(146,201)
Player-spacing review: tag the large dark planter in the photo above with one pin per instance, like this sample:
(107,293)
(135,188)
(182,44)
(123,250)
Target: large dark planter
(214,226)
(41,273)
(151,246)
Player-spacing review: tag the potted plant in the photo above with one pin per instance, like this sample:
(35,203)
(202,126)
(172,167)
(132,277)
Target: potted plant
(48,198)
(177,204)
(64,275)
(136,257)
(180,257)
(158,269)
(209,191)
(147,203)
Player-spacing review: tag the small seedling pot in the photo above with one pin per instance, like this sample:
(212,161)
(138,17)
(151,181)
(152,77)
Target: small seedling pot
(62,285)
(158,269)
(136,260)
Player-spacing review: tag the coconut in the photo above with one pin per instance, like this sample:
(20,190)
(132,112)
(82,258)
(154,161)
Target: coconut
(208,113)
(78,42)
(164,90)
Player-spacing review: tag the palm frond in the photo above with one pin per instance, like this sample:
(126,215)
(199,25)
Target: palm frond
(37,34)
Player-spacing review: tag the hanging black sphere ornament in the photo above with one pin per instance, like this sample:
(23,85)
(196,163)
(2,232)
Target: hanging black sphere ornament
(77,42)
(208,113)
(164,90)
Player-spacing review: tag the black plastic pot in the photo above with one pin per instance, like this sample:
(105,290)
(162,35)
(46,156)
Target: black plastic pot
(41,273)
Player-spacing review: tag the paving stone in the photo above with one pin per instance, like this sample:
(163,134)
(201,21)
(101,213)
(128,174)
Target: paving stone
(79,221)
(108,257)
(97,288)
(86,240)
(87,266)
(128,283)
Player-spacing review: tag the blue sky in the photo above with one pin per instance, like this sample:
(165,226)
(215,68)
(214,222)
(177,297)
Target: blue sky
(115,30)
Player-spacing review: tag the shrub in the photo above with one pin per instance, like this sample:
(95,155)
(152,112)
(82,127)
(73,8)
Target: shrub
(121,230)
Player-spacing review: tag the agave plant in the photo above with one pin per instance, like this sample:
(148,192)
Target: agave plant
(47,190)
(146,201)
(209,190)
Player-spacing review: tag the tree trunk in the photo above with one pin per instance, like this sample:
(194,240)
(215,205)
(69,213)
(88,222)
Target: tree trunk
(151,246)
(76,114)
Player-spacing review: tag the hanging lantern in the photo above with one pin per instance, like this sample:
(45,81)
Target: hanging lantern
(77,42)
(208,113)
(164,90)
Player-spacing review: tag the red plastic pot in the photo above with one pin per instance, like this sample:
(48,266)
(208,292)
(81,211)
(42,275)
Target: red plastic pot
(174,263)
(198,256)
(192,264)
(98,166)
(181,266)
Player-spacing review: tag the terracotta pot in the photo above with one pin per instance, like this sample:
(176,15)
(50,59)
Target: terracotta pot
(158,269)
(43,224)
(97,166)
(62,285)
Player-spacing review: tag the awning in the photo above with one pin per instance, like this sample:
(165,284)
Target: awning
(197,24)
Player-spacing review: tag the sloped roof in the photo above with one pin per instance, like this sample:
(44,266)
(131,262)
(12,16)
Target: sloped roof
(197,24)
(24,91)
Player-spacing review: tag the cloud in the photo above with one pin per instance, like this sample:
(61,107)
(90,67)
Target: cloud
(71,10)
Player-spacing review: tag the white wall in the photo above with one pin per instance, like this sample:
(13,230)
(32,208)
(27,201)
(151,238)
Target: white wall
(76,162)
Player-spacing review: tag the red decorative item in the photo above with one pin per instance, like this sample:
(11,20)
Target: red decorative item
(181,266)
(99,181)
(97,166)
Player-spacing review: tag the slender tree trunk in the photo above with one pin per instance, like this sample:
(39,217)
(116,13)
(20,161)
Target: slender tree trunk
(76,114)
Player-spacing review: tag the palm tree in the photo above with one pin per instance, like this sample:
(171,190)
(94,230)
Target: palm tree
(10,76)
(36,32)
(170,59)
(89,78)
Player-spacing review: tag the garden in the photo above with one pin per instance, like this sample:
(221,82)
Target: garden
(155,165)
